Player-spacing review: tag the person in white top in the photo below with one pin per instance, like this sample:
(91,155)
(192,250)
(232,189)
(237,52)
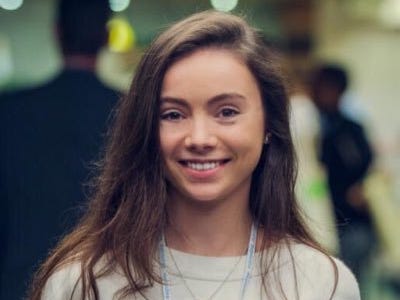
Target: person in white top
(195,194)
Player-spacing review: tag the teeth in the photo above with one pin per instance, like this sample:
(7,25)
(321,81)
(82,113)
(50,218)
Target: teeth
(203,166)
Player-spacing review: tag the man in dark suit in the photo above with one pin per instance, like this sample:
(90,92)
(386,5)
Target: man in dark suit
(48,137)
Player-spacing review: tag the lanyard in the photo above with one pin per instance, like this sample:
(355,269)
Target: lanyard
(245,279)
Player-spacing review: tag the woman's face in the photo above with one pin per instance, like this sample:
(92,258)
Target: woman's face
(211,126)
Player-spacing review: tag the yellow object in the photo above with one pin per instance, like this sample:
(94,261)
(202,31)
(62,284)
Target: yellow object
(122,37)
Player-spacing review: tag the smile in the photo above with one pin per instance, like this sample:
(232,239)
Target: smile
(203,166)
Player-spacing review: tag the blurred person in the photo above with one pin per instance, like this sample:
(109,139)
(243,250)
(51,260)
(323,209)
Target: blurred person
(48,136)
(311,185)
(311,188)
(347,156)
(195,198)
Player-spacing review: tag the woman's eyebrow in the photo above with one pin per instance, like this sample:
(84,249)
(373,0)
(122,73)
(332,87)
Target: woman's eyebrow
(212,100)
(174,100)
(226,96)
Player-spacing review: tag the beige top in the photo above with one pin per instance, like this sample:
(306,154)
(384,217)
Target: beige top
(314,276)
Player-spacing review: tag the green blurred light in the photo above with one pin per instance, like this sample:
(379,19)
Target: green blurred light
(119,5)
(11,4)
(224,5)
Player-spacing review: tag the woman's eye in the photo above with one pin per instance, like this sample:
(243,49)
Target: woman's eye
(228,112)
(171,115)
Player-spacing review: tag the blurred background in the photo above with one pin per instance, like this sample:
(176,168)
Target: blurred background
(362,36)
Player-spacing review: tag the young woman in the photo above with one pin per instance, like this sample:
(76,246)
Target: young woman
(195,199)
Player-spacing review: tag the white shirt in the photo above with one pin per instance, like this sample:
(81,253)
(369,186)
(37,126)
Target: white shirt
(314,278)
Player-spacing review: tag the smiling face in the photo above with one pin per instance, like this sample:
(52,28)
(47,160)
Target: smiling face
(211,126)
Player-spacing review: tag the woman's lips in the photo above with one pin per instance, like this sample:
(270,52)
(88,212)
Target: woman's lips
(202,169)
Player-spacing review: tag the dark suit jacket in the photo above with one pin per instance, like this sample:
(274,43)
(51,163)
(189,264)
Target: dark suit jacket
(347,156)
(48,137)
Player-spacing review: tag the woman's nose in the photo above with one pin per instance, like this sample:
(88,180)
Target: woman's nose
(201,136)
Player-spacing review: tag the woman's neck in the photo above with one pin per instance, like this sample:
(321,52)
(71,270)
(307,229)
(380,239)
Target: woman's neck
(221,229)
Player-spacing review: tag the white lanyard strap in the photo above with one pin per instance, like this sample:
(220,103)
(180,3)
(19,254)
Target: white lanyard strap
(164,273)
(249,259)
(245,279)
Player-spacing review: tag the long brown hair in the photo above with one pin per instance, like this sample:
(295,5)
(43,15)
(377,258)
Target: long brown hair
(126,214)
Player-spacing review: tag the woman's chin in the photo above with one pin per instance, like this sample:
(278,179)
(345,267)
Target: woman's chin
(203,198)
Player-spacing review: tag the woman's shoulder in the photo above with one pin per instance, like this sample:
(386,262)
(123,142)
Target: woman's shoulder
(322,273)
(64,283)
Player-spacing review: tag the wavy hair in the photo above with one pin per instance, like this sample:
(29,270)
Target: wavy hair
(127,212)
